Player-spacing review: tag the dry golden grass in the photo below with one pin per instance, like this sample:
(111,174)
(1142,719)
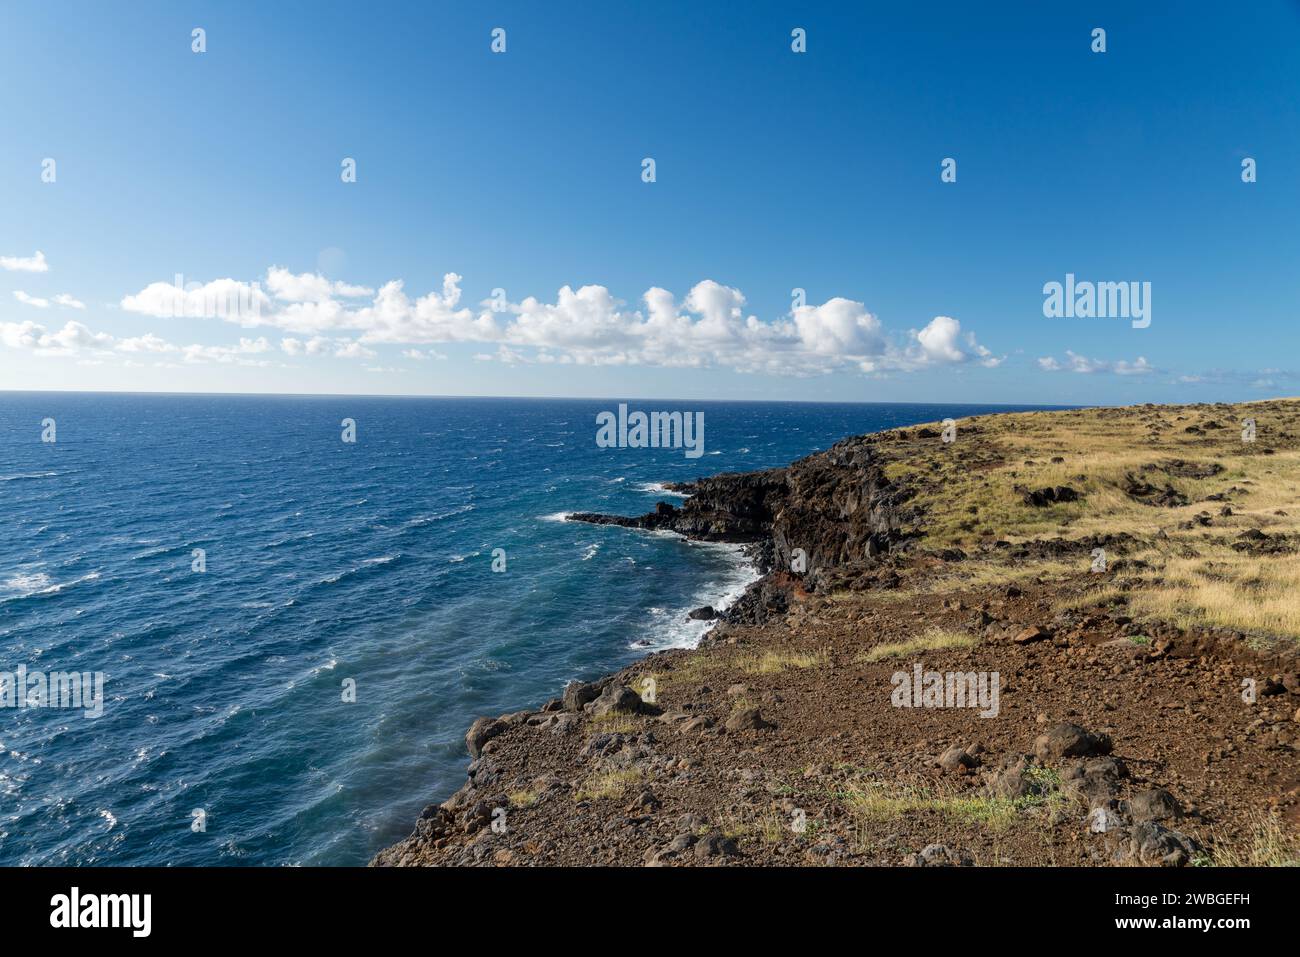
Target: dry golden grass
(934,639)
(967,494)
(1089,598)
(614,723)
(1272,844)
(877,801)
(774,662)
(608,784)
(1227,589)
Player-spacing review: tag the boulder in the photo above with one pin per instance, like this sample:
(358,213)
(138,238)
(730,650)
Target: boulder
(1156,804)
(938,855)
(481,732)
(1094,782)
(616,699)
(698,723)
(748,719)
(1067,740)
(1034,633)
(1011,780)
(1102,819)
(1154,844)
(957,759)
(715,844)
(578,693)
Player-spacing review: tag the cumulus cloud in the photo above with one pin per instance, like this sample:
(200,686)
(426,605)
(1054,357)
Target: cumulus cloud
(77,340)
(62,299)
(71,339)
(236,353)
(35,263)
(220,299)
(1082,364)
(309,287)
(146,343)
(589,325)
(942,341)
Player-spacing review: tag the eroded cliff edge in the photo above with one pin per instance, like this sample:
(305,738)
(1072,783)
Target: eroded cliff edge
(1122,731)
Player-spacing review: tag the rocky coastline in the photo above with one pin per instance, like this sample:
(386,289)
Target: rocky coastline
(1121,737)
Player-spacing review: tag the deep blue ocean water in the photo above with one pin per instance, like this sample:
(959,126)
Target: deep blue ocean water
(326,561)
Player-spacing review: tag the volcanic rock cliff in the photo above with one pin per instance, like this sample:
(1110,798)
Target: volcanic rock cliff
(836,507)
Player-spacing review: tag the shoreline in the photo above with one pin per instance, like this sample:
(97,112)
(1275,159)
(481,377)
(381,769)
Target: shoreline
(872,564)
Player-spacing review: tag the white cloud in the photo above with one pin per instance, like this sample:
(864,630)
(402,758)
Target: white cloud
(228,299)
(75,339)
(423,355)
(1082,364)
(942,341)
(309,287)
(146,343)
(839,327)
(35,263)
(583,326)
(71,339)
(354,350)
(232,354)
(62,299)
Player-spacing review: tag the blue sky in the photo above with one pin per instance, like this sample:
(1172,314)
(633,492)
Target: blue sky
(522,171)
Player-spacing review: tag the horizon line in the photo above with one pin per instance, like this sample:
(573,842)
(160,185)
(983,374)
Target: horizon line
(539,398)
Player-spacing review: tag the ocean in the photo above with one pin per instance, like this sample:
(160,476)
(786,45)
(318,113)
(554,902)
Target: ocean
(295,632)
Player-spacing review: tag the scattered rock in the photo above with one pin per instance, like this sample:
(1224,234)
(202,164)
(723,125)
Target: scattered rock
(1148,494)
(938,855)
(1041,498)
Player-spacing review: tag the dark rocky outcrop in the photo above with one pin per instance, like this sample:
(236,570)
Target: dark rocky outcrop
(827,511)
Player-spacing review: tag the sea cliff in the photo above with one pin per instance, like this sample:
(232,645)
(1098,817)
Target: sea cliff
(1051,638)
